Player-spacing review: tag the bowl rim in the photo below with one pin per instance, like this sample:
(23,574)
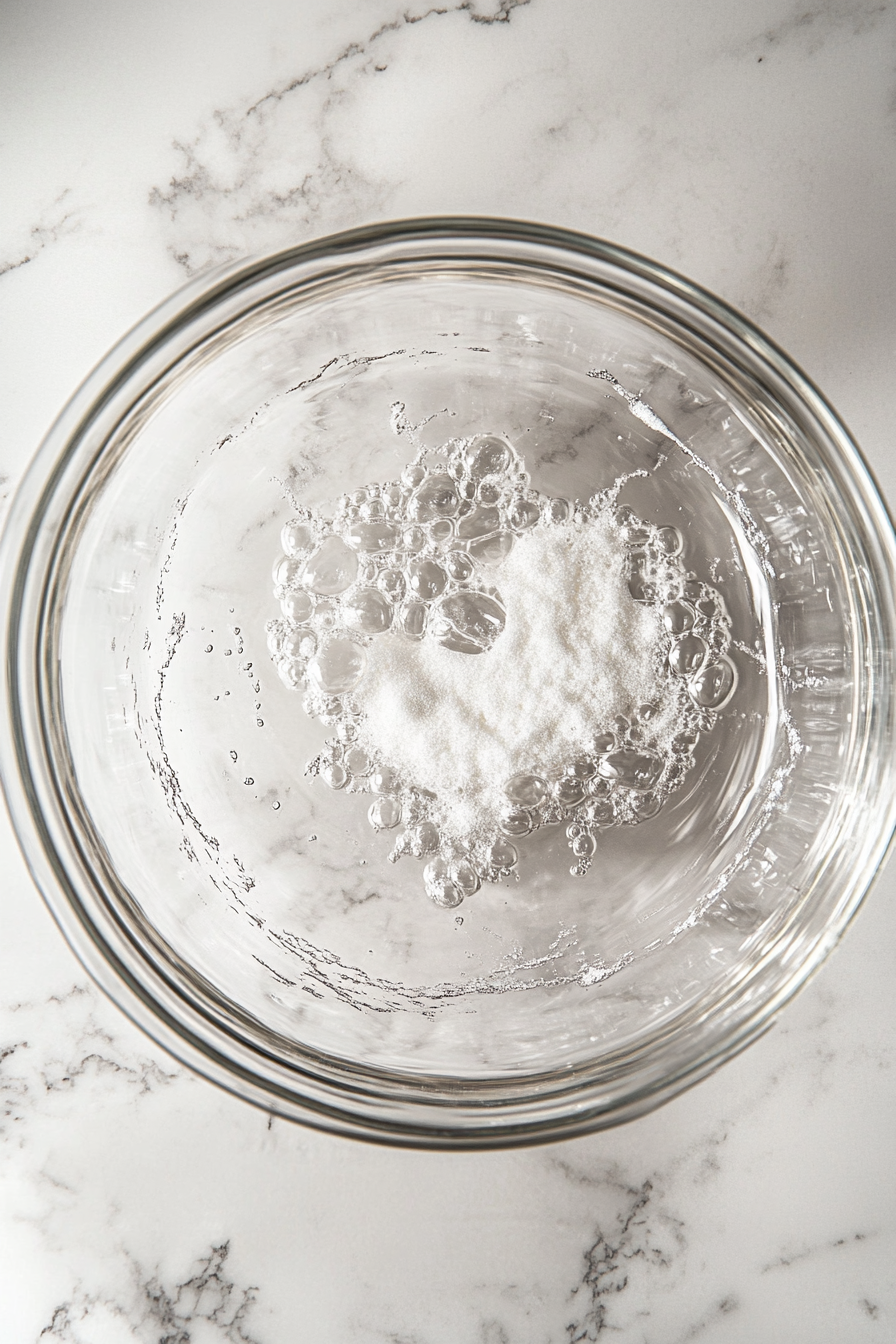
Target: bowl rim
(153,1002)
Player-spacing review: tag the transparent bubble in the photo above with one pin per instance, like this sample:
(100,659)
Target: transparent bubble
(713,686)
(290,672)
(646,712)
(368,612)
(465,877)
(367,571)
(346,731)
(331,568)
(634,769)
(297,536)
(687,655)
(413,539)
(678,617)
(670,540)
(489,492)
(374,537)
(326,615)
(458,566)
(557,510)
(488,456)
(384,814)
(334,774)
(439,887)
(604,742)
(468,622)
(583,767)
(425,838)
(646,805)
(492,550)
(436,498)
(275,635)
(392,495)
(357,761)
(359,496)
(584,845)
(516,821)
(413,475)
(503,856)
(392,583)
(479,523)
(286,571)
(298,607)
(338,667)
(412,619)
(373,510)
(569,791)
(292,645)
(427,579)
(524,513)
(440,531)
(527,790)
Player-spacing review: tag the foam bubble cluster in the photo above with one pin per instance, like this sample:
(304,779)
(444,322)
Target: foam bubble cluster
(494,661)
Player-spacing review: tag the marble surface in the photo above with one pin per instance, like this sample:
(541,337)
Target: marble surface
(751,147)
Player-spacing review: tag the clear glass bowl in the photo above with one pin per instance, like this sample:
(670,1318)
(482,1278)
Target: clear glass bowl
(154,763)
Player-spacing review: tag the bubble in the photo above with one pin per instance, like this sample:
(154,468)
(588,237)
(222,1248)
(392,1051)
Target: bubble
(604,742)
(413,539)
(346,731)
(634,769)
(331,569)
(646,805)
(557,510)
(583,767)
(584,845)
(516,821)
(440,531)
(286,571)
(488,456)
(569,791)
(427,579)
(492,550)
(436,498)
(468,622)
(670,540)
(292,644)
(425,838)
(503,856)
(290,672)
(458,566)
(678,617)
(384,814)
(373,537)
(334,774)
(439,887)
(480,523)
(338,667)
(373,510)
(489,492)
(326,615)
(298,607)
(412,619)
(523,515)
(465,877)
(392,583)
(713,686)
(357,762)
(297,536)
(527,790)
(368,612)
(687,655)
(275,634)
(413,475)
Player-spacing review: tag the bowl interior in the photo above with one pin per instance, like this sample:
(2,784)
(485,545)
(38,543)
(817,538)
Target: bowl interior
(265,898)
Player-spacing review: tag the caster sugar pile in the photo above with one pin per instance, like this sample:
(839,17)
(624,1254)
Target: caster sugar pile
(493,661)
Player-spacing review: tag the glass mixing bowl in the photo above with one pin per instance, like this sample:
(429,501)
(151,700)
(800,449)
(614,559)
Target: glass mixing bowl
(155,764)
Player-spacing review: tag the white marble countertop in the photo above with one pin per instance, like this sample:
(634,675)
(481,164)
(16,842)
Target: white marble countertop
(752,147)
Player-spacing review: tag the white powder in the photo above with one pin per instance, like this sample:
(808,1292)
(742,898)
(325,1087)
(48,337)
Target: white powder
(576,651)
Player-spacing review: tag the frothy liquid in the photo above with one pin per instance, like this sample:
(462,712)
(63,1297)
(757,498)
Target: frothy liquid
(494,660)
